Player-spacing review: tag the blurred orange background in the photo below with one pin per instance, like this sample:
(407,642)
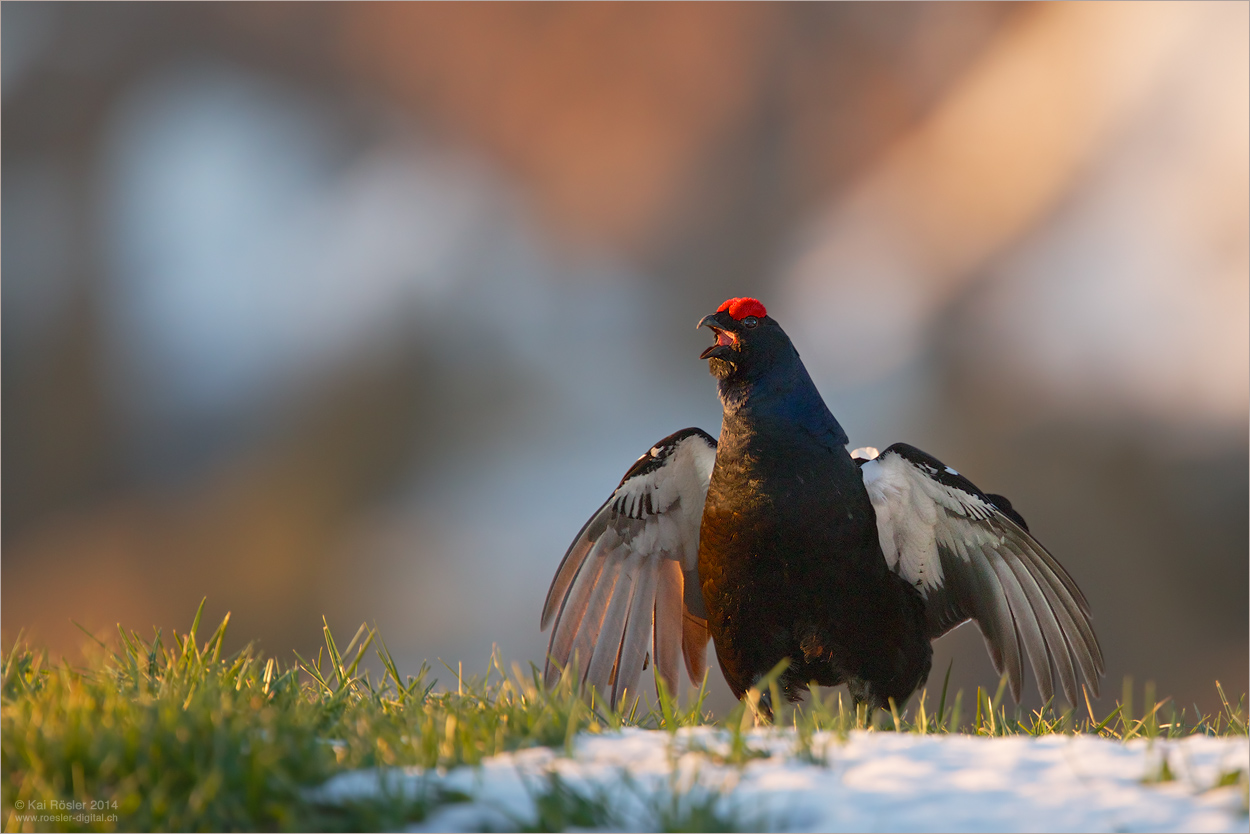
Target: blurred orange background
(361,309)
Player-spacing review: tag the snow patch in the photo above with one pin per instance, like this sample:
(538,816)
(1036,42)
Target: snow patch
(869,782)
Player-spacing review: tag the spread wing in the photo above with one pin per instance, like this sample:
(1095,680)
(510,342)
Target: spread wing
(971,556)
(628,588)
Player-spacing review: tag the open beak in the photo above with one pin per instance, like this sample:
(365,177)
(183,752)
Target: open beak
(726,340)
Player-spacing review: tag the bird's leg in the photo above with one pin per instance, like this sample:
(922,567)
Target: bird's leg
(759,703)
(764,708)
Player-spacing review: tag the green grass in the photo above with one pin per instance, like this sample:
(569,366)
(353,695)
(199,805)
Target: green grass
(171,734)
(991,717)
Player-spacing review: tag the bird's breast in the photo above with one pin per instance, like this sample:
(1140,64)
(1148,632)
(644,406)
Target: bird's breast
(787,502)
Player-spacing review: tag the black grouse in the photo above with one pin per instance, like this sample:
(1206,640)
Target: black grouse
(778,543)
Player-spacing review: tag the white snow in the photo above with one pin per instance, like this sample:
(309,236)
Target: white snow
(870,782)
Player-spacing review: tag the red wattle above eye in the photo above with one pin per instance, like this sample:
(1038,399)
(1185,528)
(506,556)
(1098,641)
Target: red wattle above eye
(740,308)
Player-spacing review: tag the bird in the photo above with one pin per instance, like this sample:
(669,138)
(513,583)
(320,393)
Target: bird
(779,544)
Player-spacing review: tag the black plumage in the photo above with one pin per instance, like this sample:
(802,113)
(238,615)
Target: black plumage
(779,545)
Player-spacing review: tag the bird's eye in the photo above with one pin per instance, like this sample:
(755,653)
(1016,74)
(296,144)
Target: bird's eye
(750,321)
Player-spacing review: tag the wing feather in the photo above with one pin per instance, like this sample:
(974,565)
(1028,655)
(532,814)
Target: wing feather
(568,570)
(1028,632)
(623,587)
(1057,648)
(667,639)
(694,637)
(970,559)
(1078,631)
(637,638)
(991,609)
(587,637)
(570,615)
(607,647)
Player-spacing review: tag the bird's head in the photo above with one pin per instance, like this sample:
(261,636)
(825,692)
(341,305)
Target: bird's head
(747,339)
(759,372)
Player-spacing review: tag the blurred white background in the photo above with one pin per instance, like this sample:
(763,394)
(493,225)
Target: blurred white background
(361,310)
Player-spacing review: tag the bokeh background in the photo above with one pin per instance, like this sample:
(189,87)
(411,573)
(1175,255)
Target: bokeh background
(359,310)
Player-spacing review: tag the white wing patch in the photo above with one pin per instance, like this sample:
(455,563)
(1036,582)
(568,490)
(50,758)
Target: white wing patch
(656,499)
(915,515)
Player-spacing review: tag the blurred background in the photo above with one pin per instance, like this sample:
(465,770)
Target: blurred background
(362,309)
